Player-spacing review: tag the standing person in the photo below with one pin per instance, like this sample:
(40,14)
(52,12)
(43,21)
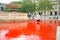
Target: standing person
(37,27)
(37,18)
(29,16)
(1,8)
(33,15)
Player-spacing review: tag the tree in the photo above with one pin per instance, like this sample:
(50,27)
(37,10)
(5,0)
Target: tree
(45,5)
(16,2)
(27,6)
(6,9)
(59,6)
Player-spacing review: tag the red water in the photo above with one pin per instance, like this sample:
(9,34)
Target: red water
(43,30)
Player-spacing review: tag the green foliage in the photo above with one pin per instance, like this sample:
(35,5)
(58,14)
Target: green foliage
(59,2)
(16,2)
(27,6)
(21,9)
(45,5)
(6,9)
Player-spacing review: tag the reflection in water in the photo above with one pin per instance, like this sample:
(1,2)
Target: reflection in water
(2,34)
(45,30)
(21,37)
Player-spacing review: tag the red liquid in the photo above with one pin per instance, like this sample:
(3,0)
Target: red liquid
(45,29)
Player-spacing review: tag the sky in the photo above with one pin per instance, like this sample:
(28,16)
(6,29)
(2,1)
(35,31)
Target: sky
(7,1)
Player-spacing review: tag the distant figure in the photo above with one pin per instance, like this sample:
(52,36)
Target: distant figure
(1,8)
(37,18)
(33,15)
(29,15)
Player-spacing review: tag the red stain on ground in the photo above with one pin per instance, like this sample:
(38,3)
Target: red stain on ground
(47,29)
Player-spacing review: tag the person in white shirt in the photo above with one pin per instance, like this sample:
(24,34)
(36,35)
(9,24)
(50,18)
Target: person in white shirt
(37,18)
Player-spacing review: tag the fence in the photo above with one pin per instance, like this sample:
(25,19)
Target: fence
(50,17)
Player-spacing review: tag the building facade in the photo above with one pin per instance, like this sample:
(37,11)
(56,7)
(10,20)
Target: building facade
(56,6)
(2,6)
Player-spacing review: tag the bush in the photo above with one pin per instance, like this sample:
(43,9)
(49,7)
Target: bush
(6,9)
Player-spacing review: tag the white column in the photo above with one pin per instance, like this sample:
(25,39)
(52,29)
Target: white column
(58,33)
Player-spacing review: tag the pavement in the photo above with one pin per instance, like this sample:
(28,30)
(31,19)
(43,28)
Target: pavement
(13,16)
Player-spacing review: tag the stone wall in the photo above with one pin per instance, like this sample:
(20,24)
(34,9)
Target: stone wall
(13,16)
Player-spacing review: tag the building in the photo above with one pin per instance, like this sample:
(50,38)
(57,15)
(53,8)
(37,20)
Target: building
(12,7)
(59,7)
(56,6)
(2,6)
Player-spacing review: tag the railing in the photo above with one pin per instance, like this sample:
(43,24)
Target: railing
(50,17)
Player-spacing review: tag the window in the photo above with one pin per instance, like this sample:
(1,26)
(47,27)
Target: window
(40,13)
(55,12)
(59,13)
(51,13)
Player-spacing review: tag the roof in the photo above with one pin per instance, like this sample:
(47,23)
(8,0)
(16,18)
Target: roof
(13,6)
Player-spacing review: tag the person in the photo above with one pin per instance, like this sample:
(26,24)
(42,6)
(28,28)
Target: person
(29,15)
(33,15)
(1,8)
(37,18)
